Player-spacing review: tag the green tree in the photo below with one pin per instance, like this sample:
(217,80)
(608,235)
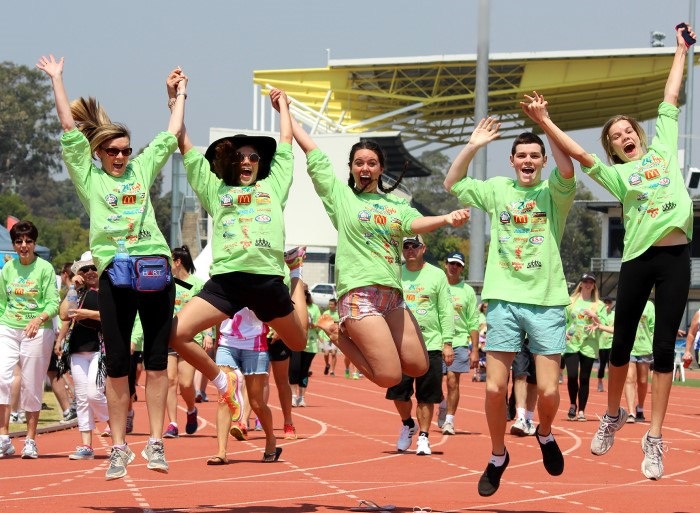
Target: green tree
(28,127)
(13,205)
(581,240)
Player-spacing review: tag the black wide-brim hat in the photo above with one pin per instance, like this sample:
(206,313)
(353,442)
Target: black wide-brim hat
(264,146)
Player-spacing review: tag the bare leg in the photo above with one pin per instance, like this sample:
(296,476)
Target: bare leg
(547,368)
(117,392)
(497,372)
(171,404)
(630,388)
(156,397)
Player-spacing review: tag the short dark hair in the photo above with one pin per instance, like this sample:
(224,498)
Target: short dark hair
(24,228)
(528,138)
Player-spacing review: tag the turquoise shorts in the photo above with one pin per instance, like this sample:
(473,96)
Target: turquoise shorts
(508,323)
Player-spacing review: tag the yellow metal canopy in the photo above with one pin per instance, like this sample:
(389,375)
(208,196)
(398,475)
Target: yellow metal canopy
(432,99)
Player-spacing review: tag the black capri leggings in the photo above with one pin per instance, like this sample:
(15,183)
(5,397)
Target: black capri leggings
(118,307)
(299,365)
(577,383)
(603,358)
(667,269)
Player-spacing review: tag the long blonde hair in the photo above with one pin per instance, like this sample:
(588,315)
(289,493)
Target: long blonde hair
(92,120)
(595,295)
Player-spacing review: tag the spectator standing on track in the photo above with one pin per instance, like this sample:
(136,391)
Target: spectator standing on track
(427,295)
(300,362)
(582,315)
(330,351)
(466,335)
(524,284)
(28,302)
(658,220)
(84,344)
(605,341)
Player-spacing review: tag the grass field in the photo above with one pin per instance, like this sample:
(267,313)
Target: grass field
(47,417)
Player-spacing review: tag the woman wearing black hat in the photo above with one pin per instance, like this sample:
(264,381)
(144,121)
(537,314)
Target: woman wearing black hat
(243,182)
(377,332)
(582,316)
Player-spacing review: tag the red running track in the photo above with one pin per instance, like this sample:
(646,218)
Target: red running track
(346,453)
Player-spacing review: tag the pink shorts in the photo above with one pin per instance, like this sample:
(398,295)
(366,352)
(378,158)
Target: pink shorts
(371,300)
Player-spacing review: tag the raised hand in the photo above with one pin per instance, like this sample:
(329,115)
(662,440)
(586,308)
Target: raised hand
(485,132)
(458,217)
(277,96)
(535,107)
(50,66)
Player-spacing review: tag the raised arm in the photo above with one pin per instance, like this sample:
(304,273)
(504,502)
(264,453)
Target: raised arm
(537,110)
(177,111)
(430,223)
(485,132)
(280,103)
(675,76)
(171,83)
(54,69)
(558,139)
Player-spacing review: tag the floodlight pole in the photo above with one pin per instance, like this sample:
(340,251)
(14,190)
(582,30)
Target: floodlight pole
(478,217)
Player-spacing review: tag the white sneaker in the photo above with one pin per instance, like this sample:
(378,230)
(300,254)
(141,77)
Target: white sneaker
(301,402)
(530,428)
(519,427)
(605,436)
(29,451)
(6,448)
(423,446)
(448,428)
(653,465)
(405,437)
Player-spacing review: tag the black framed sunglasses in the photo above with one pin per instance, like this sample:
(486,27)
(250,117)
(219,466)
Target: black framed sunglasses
(87,268)
(411,245)
(19,242)
(253,157)
(113,152)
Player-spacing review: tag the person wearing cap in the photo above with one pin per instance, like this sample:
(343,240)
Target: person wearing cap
(116,197)
(242,182)
(605,341)
(376,330)
(82,334)
(582,315)
(466,334)
(28,302)
(427,295)
(658,220)
(524,282)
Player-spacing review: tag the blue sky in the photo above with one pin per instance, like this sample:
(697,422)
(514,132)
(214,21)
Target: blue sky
(121,52)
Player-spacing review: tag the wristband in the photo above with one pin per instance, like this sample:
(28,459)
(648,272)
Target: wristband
(181,94)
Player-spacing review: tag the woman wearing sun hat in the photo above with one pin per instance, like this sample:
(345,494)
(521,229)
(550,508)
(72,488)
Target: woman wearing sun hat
(243,182)
(28,301)
(84,337)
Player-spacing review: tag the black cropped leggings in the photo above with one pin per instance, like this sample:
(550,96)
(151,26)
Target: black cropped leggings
(667,269)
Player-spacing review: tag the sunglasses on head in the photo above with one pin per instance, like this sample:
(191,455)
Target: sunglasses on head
(87,268)
(113,152)
(252,157)
(19,242)
(411,245)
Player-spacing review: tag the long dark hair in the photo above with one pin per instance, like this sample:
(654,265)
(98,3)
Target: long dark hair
(373,147)
(183,255)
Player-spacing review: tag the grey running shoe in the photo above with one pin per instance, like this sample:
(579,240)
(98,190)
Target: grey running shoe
(118,460)
(130,421)
(448,428)
(605,436)
(155,454)
(29,451)
(82,452)
(654,449)
(442,414)
(6,448)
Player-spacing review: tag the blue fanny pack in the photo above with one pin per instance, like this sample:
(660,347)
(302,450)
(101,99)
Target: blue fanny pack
(141,273)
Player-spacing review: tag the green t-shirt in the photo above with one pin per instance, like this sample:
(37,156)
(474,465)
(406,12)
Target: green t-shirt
(527,223)
(370,228)
(27,291)
(137,334)
(643,341)
(605,340)
(183,296)
(119,207)
(312,335)
(427,295)
(582,340)
(466,313)
(652,190)
(248,220)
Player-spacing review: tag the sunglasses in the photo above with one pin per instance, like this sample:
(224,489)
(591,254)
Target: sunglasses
(253,157)
(113,152)
(19,242)
(411,246)
(87,268)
